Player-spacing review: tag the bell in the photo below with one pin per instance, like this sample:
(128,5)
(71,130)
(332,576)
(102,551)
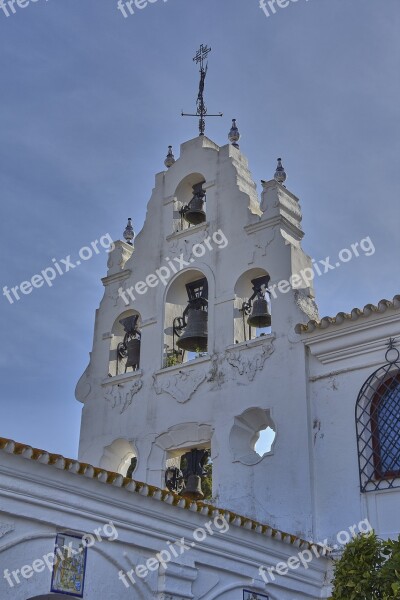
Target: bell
(260,316)
(195,212)
(133,349)
(193,489)
(195,336)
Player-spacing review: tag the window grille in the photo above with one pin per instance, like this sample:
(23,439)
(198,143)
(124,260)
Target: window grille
(378,426)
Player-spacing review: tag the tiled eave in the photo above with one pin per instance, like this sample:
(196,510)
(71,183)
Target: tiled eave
(356,314)
(115,479)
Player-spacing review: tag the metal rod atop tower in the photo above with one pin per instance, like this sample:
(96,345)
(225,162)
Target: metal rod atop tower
(201,58)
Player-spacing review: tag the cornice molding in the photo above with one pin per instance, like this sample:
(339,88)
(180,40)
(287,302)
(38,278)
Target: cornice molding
(277,220)
(177,235)
(354,340)
(117,277)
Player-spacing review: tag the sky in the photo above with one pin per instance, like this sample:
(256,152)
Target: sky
(90,101)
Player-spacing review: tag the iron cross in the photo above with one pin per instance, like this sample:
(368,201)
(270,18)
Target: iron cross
(201,56)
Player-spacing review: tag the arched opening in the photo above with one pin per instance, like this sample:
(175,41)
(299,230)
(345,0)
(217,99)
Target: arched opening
(125,344)
(378,428)
(186,318)
(120,457)
(252,306)
(189,203)
(189,472)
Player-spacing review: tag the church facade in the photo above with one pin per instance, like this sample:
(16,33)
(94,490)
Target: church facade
(231,440)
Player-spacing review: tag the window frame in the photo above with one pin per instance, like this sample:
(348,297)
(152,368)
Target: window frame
(371,476)
(380,396)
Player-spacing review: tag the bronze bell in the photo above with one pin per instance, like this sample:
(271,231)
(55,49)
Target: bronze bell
(133,349)
(194,212)
(260,316)
(195,336)
(193,489)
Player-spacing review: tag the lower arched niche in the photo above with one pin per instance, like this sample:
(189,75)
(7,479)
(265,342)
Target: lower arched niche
(169,444)
(117,456)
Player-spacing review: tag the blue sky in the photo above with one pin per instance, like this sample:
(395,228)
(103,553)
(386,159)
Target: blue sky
(91,100)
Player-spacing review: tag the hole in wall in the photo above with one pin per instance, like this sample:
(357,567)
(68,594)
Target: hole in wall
(252,436)
(265,440)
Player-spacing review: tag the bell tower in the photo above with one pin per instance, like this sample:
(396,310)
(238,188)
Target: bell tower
(194,346)
(194,357)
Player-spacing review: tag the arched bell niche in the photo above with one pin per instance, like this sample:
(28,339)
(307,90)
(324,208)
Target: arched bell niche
(125,333)
(186,318)
(189,203)
(252,306)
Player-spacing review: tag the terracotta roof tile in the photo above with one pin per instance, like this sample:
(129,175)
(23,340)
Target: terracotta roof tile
(115,479)
(356,313)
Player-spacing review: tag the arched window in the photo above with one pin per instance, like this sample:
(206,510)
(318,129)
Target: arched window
(385,426)
(378,427)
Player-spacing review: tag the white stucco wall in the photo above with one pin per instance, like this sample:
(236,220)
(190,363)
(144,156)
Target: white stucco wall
(38,500)
(267,373)
(341,358)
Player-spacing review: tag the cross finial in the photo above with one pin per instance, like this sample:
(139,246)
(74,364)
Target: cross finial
(201,56)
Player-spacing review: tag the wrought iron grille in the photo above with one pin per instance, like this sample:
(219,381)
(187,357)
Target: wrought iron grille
(378,427)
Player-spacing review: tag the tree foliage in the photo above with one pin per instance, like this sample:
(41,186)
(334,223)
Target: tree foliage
(206,482)
(369,569)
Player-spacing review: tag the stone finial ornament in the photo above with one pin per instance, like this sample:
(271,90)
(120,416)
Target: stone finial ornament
(280,175)
(129,234)
(234,135)
(170,160)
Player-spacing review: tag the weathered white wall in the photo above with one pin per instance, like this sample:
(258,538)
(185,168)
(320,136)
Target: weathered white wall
(39,500)
(341,358)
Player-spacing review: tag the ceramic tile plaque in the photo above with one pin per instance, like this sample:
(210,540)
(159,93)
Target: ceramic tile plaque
(69,565)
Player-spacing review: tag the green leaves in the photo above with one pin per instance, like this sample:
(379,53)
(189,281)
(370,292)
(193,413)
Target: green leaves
(369,569)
